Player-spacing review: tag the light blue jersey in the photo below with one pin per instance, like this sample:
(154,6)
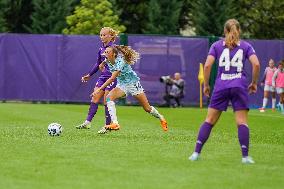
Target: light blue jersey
(127,75)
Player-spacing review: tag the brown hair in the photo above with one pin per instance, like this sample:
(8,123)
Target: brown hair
(232,31)
(114,33)
(130,55)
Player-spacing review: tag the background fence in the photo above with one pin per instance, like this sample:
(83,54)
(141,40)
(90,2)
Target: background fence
(49,67)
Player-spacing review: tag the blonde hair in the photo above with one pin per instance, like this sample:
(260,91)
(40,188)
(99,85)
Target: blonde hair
(232,31)
(130,55)
(114,33)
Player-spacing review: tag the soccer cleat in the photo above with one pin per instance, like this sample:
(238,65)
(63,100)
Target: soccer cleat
(164,125)
(112,126)
(273,109)
(103,130)
(247,160)
(194,156)
(261,110)
(85,125)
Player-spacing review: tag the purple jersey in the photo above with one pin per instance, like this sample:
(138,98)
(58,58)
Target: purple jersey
(105,73)
(231,64)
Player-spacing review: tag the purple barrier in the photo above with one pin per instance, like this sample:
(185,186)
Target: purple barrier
(164,56)
(46,67)
(28,67)
(79,54)
(49,67)
(265,49)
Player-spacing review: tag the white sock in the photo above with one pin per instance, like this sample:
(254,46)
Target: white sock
(112,111)
(273,102)
(265,100)
(87,122)
(155,113)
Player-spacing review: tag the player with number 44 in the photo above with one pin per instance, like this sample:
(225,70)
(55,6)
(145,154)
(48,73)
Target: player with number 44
(231,86)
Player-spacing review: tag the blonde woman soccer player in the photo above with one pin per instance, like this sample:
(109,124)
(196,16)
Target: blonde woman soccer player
(230,86)
(108,36)
(268,88)
(119,61)
(278,82)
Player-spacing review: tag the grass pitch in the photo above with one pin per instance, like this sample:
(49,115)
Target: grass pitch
(140,155)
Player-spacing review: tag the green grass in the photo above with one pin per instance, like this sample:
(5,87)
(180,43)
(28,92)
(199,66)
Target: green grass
(140,155)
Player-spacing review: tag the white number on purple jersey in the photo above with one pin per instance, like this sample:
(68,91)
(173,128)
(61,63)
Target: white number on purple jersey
(237,60)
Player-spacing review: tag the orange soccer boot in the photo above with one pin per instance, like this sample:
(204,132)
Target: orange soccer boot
(113,126)
(164,125)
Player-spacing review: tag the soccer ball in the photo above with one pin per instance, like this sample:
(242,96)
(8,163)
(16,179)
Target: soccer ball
(54,129)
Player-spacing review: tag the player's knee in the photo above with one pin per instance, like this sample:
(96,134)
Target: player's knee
(147,109)
(95,100)
(241,122)
(211,120)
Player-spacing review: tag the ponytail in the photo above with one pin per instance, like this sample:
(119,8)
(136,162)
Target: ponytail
(130,55)
(232,33)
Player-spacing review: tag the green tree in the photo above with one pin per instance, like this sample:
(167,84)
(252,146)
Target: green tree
(163,17)
(263,19)
(3,24)
(208,16)
(90,16)
(49,16)
(133,14)
(3,8)
(184,18)
(17,14)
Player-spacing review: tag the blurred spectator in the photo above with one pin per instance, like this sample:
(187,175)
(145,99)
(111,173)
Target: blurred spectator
(174,89)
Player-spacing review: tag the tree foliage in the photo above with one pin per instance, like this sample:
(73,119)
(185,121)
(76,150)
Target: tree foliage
(3,23)
(208,16)
(90,16)
(263,19)
(49,16)
(139,15)
(184,18)
(133,14)
(163,17)
(17,14)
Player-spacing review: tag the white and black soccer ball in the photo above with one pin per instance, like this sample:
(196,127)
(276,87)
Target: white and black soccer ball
(54,129)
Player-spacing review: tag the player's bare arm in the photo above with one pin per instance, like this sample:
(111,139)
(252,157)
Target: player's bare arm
(102,65)
(255,73)
(207,69)
(109,81)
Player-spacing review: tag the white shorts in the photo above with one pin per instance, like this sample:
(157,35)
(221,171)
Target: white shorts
(269,88)
(133,89)
(279,90)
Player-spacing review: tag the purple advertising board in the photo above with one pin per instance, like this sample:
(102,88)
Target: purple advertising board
(49,67)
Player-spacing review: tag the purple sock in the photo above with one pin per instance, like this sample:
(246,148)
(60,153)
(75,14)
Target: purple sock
(243,133)
(108,118)
(203,135)
(92,111)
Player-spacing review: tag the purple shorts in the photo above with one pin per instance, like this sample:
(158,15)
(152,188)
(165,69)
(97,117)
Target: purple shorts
(238,97)
(101,81)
